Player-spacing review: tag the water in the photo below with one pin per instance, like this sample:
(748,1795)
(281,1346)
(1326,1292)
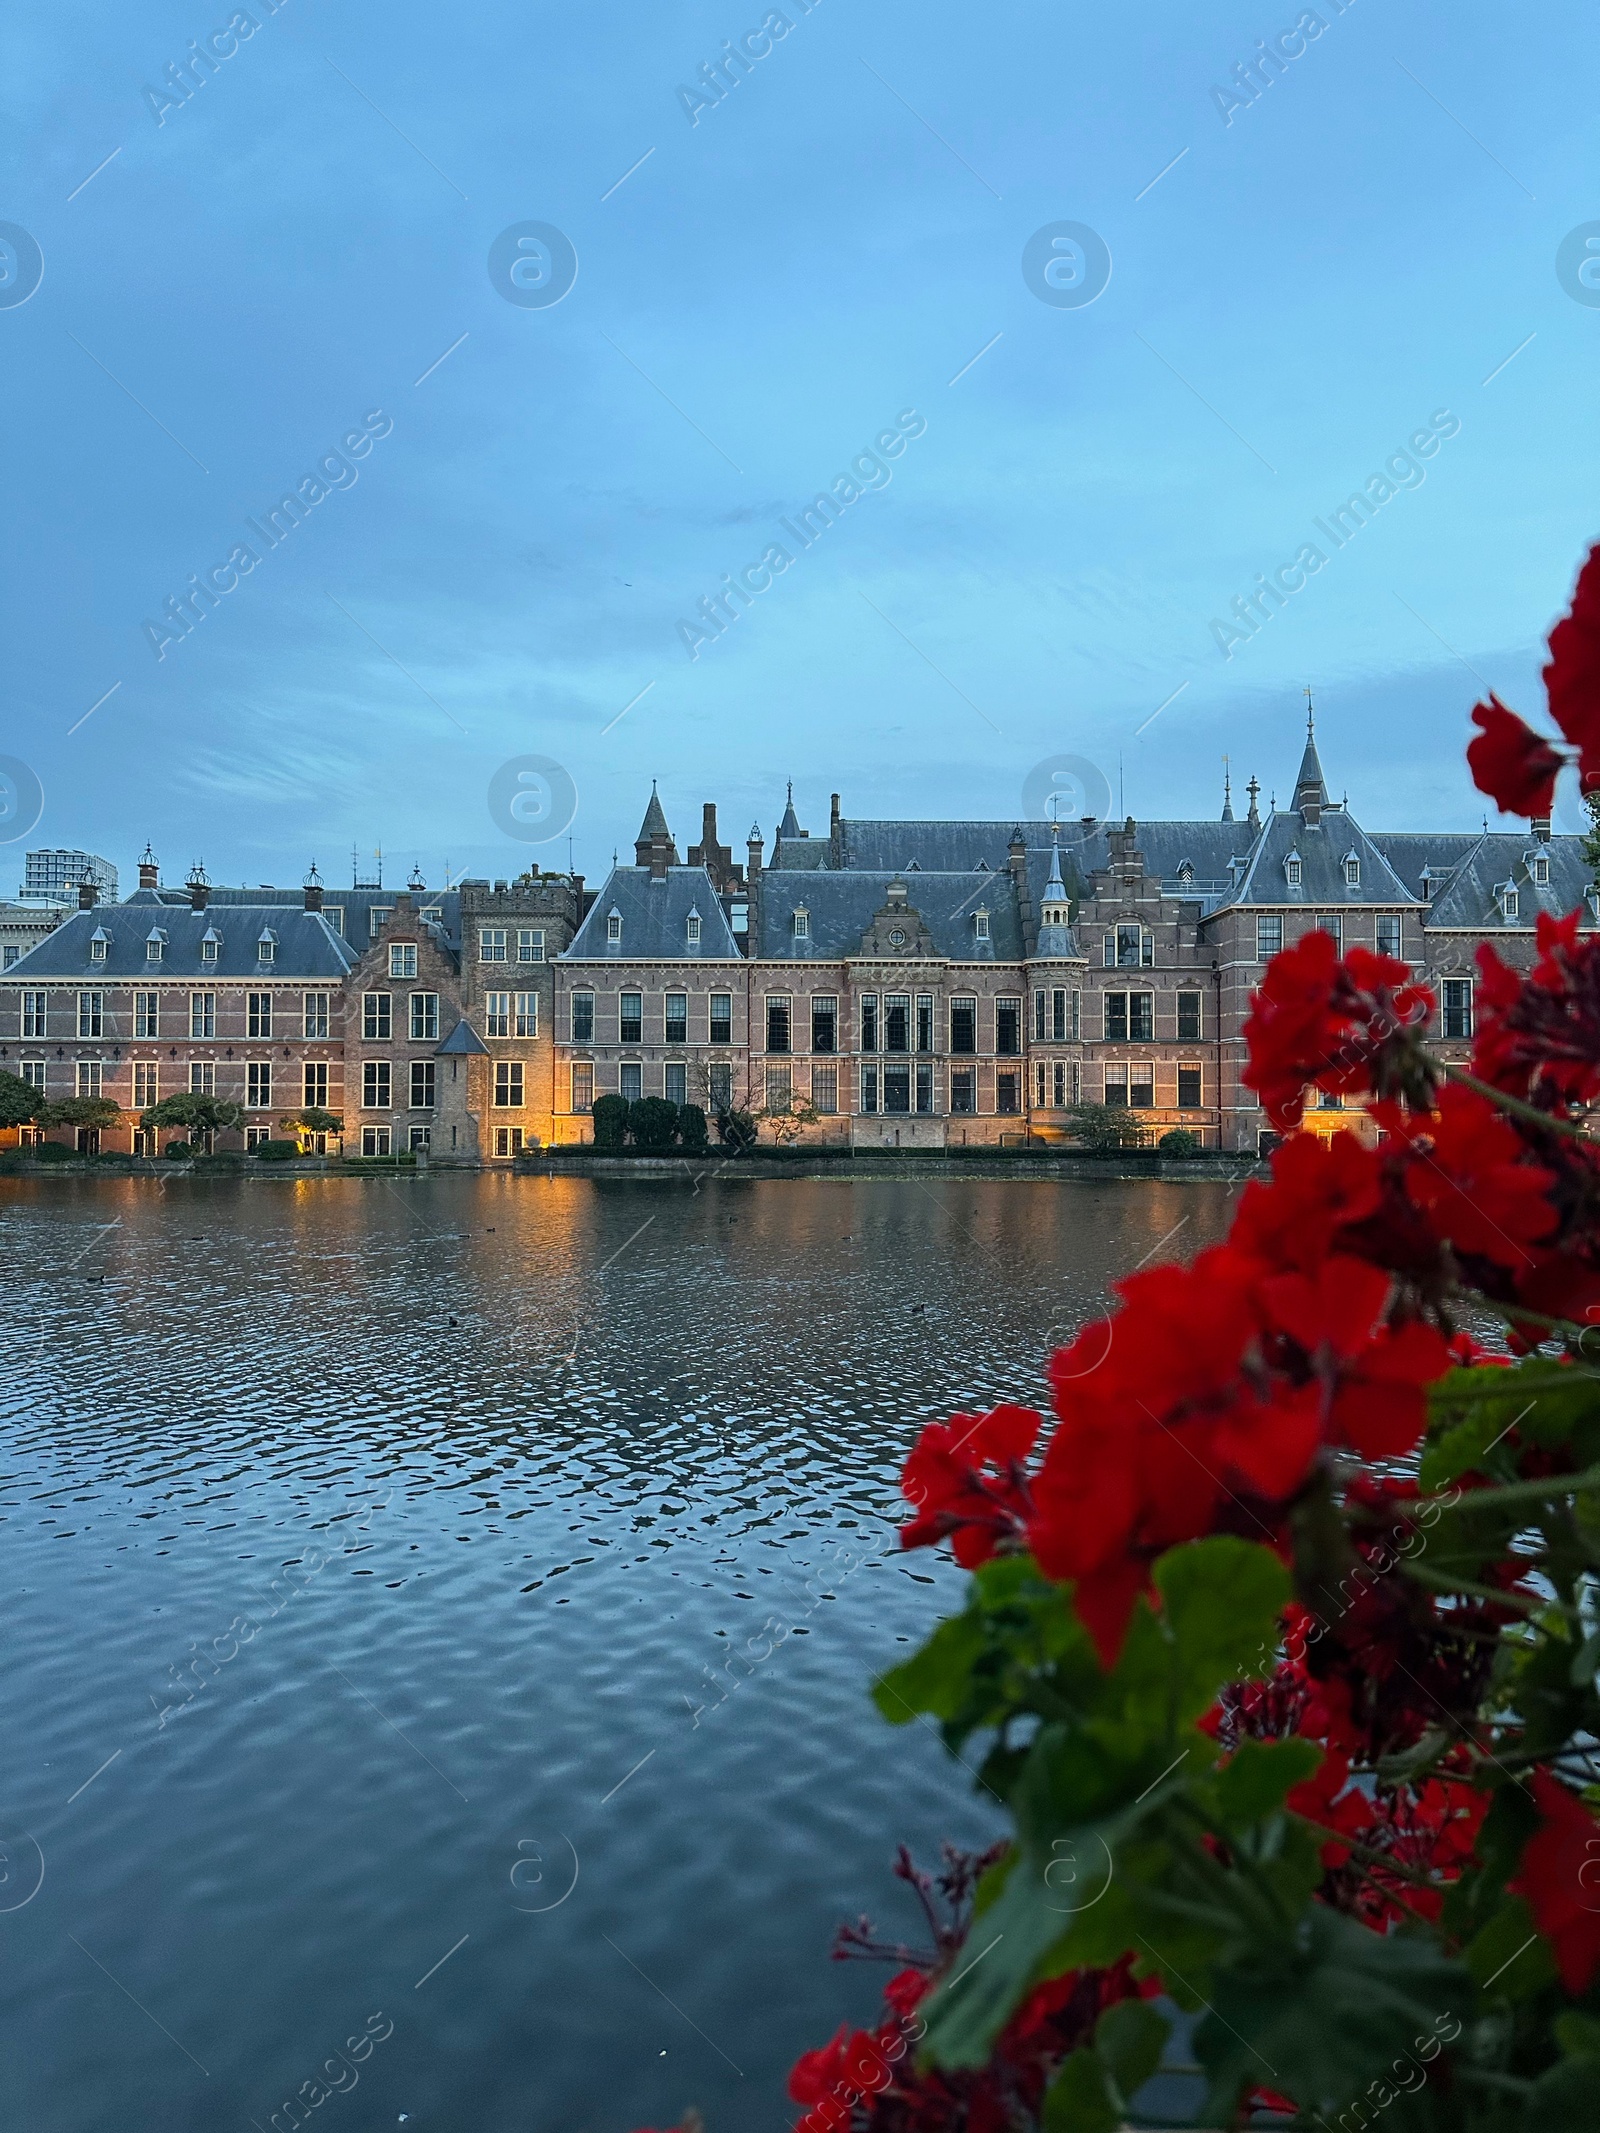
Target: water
(540,1456)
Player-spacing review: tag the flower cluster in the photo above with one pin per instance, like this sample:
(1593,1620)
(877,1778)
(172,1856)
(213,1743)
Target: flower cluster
(1518,767)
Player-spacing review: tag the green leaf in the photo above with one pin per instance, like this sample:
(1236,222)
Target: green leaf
(1578,2034)
(1257,1778)
(1320,2017)
(1566,2097)
(1510,1957)
(1129,2039)
(935,1679)
(1549,1403)
(1222,1597)
(1079,2100)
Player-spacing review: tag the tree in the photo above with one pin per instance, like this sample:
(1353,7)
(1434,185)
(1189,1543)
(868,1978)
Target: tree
(201,1117)
(611,1122)
(20,1102)
(1179,1141)
(786,1122)
(1591,840)
(737,1130)
(1104,1128)
(81,1111)
(653,1123)
(313,1119)
(691,1129)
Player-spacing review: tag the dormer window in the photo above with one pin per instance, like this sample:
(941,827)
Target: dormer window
(691,928)
(613,926)
(98,942)
(266,945)
(1510,902)
(210,942)
(802,923)
(1541,871)
(1291,870)
(1592,898)
(1352,871)
(155,945)
(980,925)
(1186,872)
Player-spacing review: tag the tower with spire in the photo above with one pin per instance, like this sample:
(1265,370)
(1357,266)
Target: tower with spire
(789,827)
(653,847)
(1227,790)
(1310,787)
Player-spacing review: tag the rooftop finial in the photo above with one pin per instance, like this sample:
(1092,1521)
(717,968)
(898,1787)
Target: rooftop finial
(1227,789)
(1311,721)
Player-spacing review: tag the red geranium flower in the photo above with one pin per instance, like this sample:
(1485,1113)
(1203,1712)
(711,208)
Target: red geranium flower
(1348,1024)
(1572,677)
(1542,1033)
(1515,766)
(967,1482)
(1317,1187)
(1375,1377)
(1467,1172)
(1560,1877)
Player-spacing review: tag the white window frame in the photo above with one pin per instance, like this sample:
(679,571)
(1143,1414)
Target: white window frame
(202,1016)
(402,959)
(525,1014)
(492,944)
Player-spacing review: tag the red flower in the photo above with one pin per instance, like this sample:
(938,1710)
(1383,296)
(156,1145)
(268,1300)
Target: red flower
(1572,678)
(967,1482)
(1514,765)
(1375,1377)
(1467,1173)
(1349,1025)
(1542,1033)
(1323,1799)
(1317,1188)
(1560,1877)
(836,2076)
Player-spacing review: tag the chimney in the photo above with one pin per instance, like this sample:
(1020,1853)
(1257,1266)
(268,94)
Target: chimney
(87,895)
(199,887)
(1540,825)
(149,871)
(708,825)
(752,845)
(835,832)
(313,891)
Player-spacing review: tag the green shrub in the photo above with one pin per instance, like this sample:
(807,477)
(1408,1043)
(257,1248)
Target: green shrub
(692,1133)
(54,1152)
(610,1121)
(1179,1141)
(278,1151)
(653,1123)
(180,1150)
(737,1130)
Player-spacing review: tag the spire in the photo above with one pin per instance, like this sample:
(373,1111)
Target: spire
(1227,790)
(653,847)
(1254,816)
(1310,787)
(790,825)
(655,819)
(1055,889)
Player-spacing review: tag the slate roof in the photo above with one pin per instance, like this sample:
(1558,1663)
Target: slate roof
(1322,849)
(1469,898)
(1410,851)
(655,912)
(841,906)
(955,846)
(792,853)
(305,945)
(463,1042)
(355,906)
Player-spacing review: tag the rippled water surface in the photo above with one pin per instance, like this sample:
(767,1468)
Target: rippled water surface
(374,1559)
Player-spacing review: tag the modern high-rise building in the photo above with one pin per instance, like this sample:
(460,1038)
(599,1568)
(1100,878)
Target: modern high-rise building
(55,876)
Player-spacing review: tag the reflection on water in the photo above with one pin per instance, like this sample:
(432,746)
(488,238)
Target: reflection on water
(450,1604)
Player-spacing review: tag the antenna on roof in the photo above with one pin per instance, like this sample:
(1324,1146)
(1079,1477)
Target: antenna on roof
(1311,724)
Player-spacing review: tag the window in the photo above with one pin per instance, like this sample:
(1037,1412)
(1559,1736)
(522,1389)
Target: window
(1389,934)
(1058,1015)
(1040,1026)
(1188,1018)
(314,1014)
(97,947)
(897,1088)
(12,955)
(1509,902)
(254,1136)
(963,1025)
(258,1085)
(631,1080)
(1269,939)
(314,1085)
(530,944)
(377,914)
(924,1086)
(1541,871)
(961,1079)
(1005,1094)
(777,1025)
(202,1014)
(582,1019)
(209,944)
(376,1085)
(780,1088)
(825,1023)
(825,1090)
(1039,1074)
(377,1017)
(374,1140)
(630,1022)
(802,924)
(1457,1007)
(91,1014)
(1291,870)
(675,1084)
(508,1140)
(146,1084)
(613,927)
(722,1018)
(980,925)
(525,1015)
(422,1084)
(91,1077)
(419,1139)
(334,914)
(154,945)
(1332,922)
(33,1014)
(719,1083)
(869,1021)
(924,1021)
(1130,1017)
(1188,1088)
(1117,1087)
(1141,1086)
(402,959)
(1128,947)
(1008,1027)
(424,1018)
(1352,871)
(691,929)
(492,944)
(33,1074)
(896,1022)
(497,1014)
(147,1014)
(1058,1075)
(677,1019)
(266,946)
(582,1085)
(869,1090)
(202,1077)
(1077,1017)
(258,1014)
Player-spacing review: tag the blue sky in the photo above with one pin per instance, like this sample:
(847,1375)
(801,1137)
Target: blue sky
(288,252)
